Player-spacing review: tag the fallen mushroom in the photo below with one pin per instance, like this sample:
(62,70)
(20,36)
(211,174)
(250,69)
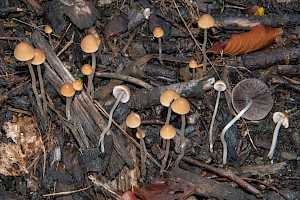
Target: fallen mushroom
(68,91)
(280,118)
(158,32)
(219,86)
(167,132)
(252,99)
(121,93)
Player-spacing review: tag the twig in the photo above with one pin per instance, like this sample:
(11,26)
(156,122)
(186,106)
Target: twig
(67,192)
(105,186)
(67,45)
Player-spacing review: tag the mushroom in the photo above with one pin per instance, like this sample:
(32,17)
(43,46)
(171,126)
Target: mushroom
(158,32)
(181,106)
(77,84)
(25,52)
(252,99)
(280,118)
(205,22)
(68,91)
(48,29)
(167,132)
(193,65)
(133,120)
(121,93)
(90,44)
(39,58)
(219,86)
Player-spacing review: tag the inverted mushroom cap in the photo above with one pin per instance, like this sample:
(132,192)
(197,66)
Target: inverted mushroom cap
(23,52)
(77,85)
(277,116)
(206,21)
(168,96)
(193,64)
(119,90)
(220,86)
(138,134)
(89,44)
(167,132)
(133,120)
(181,106)
(67,90)
(39,57)
(87,69)
(260,94)
(48,29)
(158,32)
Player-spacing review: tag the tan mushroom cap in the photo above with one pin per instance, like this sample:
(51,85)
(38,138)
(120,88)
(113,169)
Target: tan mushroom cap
(206,21)
(122,89)
(277,116)
(167,132)
(39,57)
(86,69)
(77,85)
(23,52)
(133,120)
(89,44)
(158,32)
(138,134)
(220,86)
(168,96)
(181,106)
(193,64)
(67,90)
(48,29)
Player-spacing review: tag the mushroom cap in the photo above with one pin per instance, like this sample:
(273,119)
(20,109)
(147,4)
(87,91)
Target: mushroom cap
(206,21)
(122,89)
(48,29)
(167,132)
(86,69)
(89,44)
(67,90)
(277,116)
(181,106)
(23,52)
(158,32)
(77,85)
(39,57)
(168,96)
(142,132)
(220,86)
(133,120)
(260,94)
(193,64)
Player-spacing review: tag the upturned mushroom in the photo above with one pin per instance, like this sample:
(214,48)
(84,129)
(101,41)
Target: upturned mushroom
(90,44)
(38,59)
(252,99)
(181,106)
(68,91)
(280,118)
(25,52)
(121,93)
(219,86)
(167,132)
(158,33)
(205,22)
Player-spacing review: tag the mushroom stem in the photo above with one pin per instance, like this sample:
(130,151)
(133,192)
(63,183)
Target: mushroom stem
(90,88)
(50,40)
(229,125)
(211,144)
(33,83)
(164,161)
(101,140)
(274,140)
(68,107)
(194,73)
(160,51)
(203,51)
(143,152)
(182,140)
(42,88)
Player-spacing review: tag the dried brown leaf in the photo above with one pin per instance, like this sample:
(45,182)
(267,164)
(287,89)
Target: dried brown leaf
(128,196)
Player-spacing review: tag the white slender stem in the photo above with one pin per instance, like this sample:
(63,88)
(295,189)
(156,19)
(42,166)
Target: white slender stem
(42,88)
(182,141)
(164,161)
(274,140)
(211,144)
(101,140)
(160,51)
(203,50)
(229,125)
(90,88)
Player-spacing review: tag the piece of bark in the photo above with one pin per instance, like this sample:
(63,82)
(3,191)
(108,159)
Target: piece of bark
(288,69)
(284,82)
(207,187)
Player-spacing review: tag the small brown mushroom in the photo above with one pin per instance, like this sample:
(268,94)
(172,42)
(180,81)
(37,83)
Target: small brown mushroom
(158,32)
(68,91)
(252,99)
(48,30)
(193,65)
(167,132)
